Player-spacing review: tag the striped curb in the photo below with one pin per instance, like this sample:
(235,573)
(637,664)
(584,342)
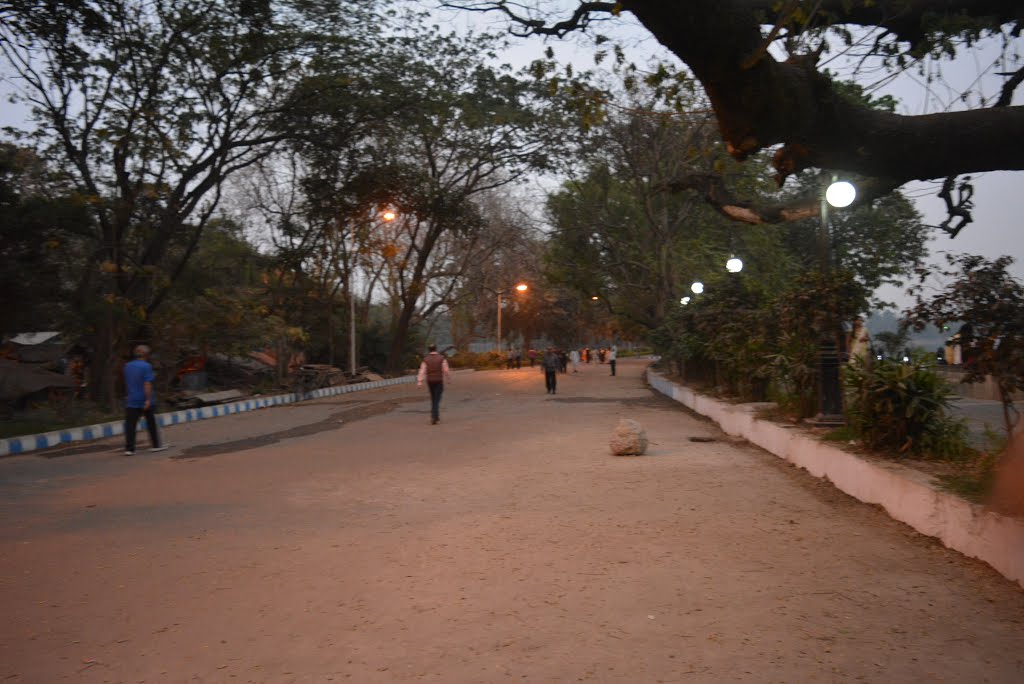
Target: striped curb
(20,445)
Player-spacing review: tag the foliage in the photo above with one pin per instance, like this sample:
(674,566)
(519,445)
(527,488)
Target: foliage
(221,302)
(880,242)
(147,108)
(991,303)
(762,65)
(622,234)
(477,360)
(893,343)
(903,407)
(424,126)
(42,222)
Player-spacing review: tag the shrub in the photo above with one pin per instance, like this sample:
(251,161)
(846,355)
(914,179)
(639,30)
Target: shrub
(476,360)
(904,408)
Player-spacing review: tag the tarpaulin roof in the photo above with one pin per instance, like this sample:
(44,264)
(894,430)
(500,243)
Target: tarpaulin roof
(18,380)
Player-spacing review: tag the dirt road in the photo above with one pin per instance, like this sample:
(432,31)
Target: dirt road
(349,540)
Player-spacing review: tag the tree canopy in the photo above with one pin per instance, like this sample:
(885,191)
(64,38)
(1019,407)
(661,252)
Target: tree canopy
(759,62)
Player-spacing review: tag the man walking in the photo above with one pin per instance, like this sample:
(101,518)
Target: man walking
(611,358)
(550,364)
(140,401)
(434,370)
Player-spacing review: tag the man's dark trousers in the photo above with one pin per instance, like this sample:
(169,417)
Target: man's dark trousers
(612,364)
(436,388)
(131,422)
(550,380)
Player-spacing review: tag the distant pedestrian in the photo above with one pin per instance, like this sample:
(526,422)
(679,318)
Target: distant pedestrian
(434,370)
(140,400)
(574,359)
(550,363)
(519,358)
(612,355)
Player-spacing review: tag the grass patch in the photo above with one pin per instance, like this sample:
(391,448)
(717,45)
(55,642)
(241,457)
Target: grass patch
(38,419)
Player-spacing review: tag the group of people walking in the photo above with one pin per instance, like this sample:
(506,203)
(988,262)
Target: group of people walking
(557,360)
(434,370)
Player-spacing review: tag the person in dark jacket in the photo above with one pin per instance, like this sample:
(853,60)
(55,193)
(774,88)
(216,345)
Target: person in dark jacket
(551,364)
(434,370)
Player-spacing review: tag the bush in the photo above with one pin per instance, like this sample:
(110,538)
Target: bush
(477,360)
(903,408)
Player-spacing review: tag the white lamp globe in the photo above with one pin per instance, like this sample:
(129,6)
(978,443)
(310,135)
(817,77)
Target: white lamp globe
(841,194)
(734,265)
(697,287)
(684,301)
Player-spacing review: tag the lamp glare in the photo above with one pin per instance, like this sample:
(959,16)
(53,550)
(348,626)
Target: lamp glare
(841,194)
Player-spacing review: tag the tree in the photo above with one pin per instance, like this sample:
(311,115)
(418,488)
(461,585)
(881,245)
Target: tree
(220,303)
(991,303)
(42,229)
(465,129)
(620,234)
(148,108)
(792,105)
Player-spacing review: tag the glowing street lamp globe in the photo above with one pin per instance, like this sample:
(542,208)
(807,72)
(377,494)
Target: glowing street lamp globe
(522,287)
(734,265)
(841,194)
(684,301)
(389,216)
(697,287)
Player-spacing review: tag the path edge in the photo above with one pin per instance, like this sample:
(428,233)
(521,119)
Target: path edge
(23,444)
(905,494)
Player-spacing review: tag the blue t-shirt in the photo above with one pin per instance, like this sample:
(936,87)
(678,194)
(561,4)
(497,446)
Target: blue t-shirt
(136,374)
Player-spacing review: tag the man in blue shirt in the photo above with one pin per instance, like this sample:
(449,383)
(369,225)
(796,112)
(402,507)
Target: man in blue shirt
(140,400)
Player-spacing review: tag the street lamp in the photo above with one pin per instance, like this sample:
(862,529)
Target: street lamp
(697,287)
(830,394)
(734,265)
(521,287)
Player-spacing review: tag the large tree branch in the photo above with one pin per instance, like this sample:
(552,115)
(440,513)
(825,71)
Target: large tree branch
(791,103)
(761,102)
(713,189)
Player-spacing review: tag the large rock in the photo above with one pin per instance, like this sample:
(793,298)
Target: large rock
(629,438)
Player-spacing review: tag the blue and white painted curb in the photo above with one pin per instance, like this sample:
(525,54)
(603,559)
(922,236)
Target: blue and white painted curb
(26,443)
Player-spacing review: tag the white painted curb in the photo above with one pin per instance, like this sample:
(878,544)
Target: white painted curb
(906,495)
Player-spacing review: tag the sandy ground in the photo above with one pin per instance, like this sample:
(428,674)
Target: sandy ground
(349,540)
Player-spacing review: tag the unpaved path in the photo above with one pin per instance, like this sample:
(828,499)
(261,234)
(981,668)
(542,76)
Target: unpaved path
(349,540)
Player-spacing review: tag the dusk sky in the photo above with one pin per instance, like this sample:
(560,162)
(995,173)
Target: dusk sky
(996,229)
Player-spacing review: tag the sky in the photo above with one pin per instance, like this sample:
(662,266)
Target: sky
(996,229)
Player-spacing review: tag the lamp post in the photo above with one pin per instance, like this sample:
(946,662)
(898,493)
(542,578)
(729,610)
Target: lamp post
(830,395)
(521,287)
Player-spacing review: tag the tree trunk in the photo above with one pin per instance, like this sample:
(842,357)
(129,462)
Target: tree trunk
(399,333)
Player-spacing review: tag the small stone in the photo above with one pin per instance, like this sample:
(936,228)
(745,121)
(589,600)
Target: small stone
(629,439)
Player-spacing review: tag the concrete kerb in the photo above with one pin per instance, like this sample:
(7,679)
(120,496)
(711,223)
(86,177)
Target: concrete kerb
(906,495)
(27,443)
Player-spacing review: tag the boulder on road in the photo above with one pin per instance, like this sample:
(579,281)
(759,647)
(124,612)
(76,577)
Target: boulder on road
(629,438)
